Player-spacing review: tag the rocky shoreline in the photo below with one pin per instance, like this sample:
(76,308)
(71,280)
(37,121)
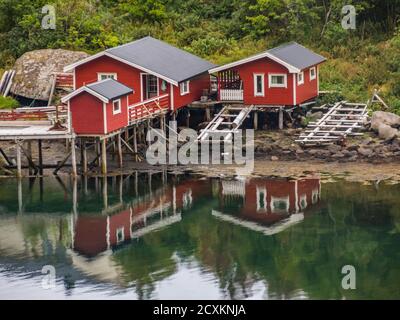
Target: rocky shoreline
(379,143)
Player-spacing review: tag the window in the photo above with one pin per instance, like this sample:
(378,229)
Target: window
(300,78)
(261,199)
(184,86)
(259,85)
(313,73)
(104,76)
(277,81)
(117,106)
(120,235)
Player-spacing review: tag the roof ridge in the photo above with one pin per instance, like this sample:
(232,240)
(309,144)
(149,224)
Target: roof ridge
(130,42)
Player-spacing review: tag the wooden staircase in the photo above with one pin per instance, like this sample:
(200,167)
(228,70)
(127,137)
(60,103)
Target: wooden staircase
(226,122)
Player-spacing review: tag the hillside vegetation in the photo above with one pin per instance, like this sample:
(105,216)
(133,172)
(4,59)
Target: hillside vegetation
(225,30)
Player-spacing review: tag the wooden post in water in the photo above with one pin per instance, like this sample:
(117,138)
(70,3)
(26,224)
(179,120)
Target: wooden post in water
(84,158)
(104,156)
(73,158)
(119,146)
(19,165)
(40,152)
(280,118)
(29,150)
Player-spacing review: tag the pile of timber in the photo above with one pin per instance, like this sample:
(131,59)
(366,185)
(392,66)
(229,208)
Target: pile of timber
(6,82)
(342,120)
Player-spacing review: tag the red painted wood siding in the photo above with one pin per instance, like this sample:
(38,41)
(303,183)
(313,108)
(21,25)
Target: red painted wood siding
(87,114)
(130,76)
(309,89)
(119,120)
(272,96)
(196,87)
(90,235)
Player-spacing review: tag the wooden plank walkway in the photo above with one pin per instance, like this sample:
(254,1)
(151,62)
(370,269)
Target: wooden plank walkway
(342,120)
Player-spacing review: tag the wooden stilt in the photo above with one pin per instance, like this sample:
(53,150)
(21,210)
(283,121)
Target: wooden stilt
(135,149)
(19,165)
(188,119)
(280,118)
(104,156)
(208,114)
(73,158)
(255,120)
(119,148)
(84,163)
(29,154)
(40,152)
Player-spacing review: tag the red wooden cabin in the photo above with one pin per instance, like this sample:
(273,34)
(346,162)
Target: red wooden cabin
(284,76)
(99,108)
(161,75)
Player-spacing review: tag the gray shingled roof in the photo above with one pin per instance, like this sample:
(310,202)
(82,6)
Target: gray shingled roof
(110,88)
(162,58)
(296,55)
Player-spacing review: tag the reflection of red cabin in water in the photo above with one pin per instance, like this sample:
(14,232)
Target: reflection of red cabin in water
(97,233)
(269,201)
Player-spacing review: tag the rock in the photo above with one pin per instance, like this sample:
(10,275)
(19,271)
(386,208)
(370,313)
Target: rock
(299,151)
(334,148)
(367,141)
(353,147)
(274,158)
(387,118)
(33,77)
(364,151)
(338,155)
(386,132)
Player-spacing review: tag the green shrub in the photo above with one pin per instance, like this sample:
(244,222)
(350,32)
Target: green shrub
(8,103)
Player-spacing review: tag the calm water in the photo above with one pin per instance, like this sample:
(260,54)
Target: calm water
(185,237)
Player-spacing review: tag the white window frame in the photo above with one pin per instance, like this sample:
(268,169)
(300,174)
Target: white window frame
(122,229)
(107,74)
(262,93)
(119,110)
(313,77)
(275,85)
(262,191)
(300,82)
(182,88)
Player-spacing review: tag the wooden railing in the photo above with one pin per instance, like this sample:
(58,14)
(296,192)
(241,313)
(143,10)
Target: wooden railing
(32,114)
(231,95)
(148,108)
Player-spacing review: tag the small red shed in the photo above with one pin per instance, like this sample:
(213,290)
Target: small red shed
(284,76)
(99,108)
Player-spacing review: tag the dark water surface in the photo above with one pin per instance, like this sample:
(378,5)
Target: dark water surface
(183,237)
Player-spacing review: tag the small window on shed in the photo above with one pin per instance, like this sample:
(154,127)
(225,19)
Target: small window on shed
(259,85)
(184,86)
(120,235)
(313,73)
(277,81)
(300,78)
(106,75)
(117,106)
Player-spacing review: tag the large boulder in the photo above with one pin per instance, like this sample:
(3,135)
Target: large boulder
(387,118)
(386,132)
(34,69)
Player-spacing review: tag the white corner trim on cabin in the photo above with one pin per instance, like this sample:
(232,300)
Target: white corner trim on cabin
(105,117)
